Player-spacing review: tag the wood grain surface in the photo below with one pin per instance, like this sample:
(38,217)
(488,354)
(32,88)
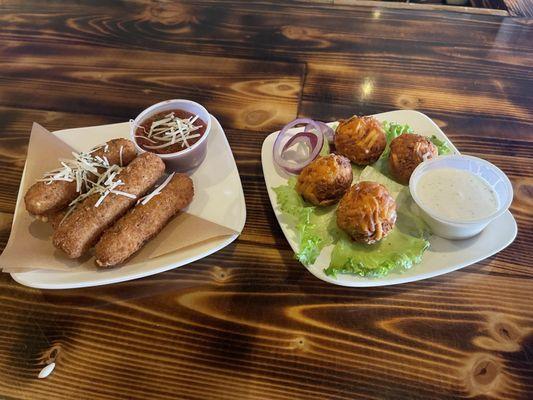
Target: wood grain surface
(249,322)
(520,8)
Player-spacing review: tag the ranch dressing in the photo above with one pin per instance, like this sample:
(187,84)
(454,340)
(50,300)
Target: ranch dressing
(457,195)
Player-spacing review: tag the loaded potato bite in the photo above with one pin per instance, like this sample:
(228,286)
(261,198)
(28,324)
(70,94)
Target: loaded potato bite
(406,152)
(325,180)
(367,212)
(360,139)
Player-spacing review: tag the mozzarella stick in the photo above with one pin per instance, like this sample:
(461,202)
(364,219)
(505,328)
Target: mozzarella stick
(43,199)
(82,228)
(144,221)
(54,219)
(49,196)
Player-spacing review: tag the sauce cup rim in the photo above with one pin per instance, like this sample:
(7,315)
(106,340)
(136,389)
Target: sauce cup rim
(153,109)
(419,171)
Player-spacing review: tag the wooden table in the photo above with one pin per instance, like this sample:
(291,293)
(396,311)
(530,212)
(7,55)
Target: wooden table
(249,322)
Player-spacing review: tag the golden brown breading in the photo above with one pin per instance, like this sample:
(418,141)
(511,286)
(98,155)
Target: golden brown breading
(325,180)
(406,152)
(143,222)
(54,219)
(43,198)
(84,226)
(361,139)
(112,151)
(367,212)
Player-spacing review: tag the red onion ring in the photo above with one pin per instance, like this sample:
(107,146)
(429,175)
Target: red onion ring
(307,137)
(327,131)
(313,136)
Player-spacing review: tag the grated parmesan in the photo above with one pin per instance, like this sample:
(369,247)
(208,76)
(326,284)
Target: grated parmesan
(170,130)
(155,192)
(106,184)
(78,169)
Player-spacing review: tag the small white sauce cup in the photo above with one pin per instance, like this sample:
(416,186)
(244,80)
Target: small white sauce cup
(450,229)
(184,160)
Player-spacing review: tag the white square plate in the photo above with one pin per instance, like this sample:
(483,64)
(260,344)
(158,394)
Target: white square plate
(222,202)
(443,255)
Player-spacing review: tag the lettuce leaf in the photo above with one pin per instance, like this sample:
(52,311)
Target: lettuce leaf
(315,226)
(325,149)
(289,201)
(392,131)
(408,219)
(374,175)
(396,251)
(442,147)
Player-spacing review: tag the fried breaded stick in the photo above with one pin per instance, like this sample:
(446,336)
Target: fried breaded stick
(54,219)
(83,227)
(44,198)
(143,222)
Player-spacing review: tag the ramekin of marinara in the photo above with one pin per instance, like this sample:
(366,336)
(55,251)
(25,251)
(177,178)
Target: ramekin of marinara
(176,131)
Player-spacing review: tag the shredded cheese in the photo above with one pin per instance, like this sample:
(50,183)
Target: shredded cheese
(106,184)
(96,148)
(169,130)
(145,138)
(79,169)
(155,192)
(83,169)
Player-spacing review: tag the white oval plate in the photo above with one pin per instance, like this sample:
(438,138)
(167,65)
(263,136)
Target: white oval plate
(442,257)
(229,209)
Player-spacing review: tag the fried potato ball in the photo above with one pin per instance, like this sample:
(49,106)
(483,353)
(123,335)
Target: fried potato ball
(406,152)
(367,212)
(325,180)
(361,139)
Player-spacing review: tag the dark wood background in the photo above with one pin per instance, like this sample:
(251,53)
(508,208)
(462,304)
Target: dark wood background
(249,321)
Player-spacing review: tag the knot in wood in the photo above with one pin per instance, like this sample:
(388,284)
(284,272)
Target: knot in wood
(220,274)
(257,117)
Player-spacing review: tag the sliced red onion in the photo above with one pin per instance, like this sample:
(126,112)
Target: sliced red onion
(312,136)
(307,137)
(327,131)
